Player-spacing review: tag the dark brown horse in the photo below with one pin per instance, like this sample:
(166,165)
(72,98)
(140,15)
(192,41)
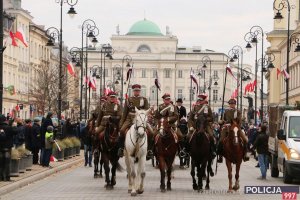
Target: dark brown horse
(109,145)
(166,148)
(200,153)
(233,153)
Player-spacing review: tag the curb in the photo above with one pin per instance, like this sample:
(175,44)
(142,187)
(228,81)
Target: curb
(26,181)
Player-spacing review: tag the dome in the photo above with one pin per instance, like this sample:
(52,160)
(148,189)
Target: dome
(145,27)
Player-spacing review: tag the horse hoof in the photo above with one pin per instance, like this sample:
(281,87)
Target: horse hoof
(229,191)
(169,188)
(163,190)
(100,176)
(207,187)
(140,191)
(200,190)
(133,194)
(129,190)
(195,186)
(236,187)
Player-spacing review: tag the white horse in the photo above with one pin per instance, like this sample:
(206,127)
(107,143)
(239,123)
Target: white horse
(136,150)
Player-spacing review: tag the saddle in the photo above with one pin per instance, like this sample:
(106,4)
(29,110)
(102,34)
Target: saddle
(159,136)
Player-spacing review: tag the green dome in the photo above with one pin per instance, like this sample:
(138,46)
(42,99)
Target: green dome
(144,27)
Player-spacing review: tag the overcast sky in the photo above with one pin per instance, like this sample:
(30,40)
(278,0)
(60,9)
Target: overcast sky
(212,24)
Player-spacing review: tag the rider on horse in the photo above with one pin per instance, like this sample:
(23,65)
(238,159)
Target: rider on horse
(167,109)
(111,108)
(230,115)
(139,102)
(202,108)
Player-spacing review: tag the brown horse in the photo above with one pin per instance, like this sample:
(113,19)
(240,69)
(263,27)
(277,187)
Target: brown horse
(233,153)
(109,145)
(200,153)
(166,148)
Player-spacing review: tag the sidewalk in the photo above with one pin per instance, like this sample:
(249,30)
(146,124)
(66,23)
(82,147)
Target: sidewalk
(38,172)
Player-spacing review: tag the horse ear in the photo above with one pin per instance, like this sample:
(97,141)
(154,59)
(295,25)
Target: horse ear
(136,110)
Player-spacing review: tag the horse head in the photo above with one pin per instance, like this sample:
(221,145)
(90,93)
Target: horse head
(200,123)
(164,126)
(234,129)
(140,122)
(113,125)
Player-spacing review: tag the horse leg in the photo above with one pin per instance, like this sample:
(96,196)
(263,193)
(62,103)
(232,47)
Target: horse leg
(237,175)
(133,176)
(229,168)
(128,169)
(96,161)
(195,186)
(207,177)
(101,166)
(113,172)
(141,173)
(200,173)
(162,167)
(107,170)
(169,173)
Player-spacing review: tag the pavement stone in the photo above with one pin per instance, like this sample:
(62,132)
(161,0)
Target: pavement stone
(80,184)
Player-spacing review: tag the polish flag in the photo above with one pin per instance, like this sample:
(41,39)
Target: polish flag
(229,70)
(71,69)
(285,74)
(194,79)
(247,88)
(20,35)
(53,159)
(17,107)
(278,73)
(13,39)
(92,82)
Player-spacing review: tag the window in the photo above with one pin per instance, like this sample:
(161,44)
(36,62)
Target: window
(144,49)
(143,90)
(143,73)
(106,72)
(215,75)
(179,73)
(215,95)
(154,73)
(167,73)
(179,93)
(153,93)
(192,94)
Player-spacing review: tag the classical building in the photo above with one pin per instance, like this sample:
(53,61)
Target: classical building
(152,53)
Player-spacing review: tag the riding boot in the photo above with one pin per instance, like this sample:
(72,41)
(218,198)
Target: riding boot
(150,149)
(220,152)
(121,146)
(246,157)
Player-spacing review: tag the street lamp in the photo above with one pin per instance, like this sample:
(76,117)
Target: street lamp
(278,17)
(264,63)
(117,74)
(234,55)
(106,51)
(128,60)
(205,60)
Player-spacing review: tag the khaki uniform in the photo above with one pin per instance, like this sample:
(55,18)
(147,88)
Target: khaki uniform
(107,109)
(229,116)
(129,111)
(173,116)
(201,109)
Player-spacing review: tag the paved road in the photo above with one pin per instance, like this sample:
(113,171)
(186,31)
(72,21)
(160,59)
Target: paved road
(80,184)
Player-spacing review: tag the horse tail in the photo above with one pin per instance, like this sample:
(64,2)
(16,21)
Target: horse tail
(119,167)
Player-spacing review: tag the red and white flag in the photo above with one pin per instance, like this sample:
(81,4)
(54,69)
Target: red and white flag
(12,39)
(17,107)
(71,69)
(285,74)
(247,88)
(194,79)
(278,73)
(229,70)
(91,81)
(20,35)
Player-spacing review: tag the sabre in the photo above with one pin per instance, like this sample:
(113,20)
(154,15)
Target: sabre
(166,108)
(58,147)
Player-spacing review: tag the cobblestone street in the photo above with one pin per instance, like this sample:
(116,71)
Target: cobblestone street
(80,184)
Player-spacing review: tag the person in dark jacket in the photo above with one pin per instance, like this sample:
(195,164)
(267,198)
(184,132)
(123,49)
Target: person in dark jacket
(68,128)
(261,146)
(36,140)
(20,137)
(6,143)
(45,123)
(28,134)
(87,142)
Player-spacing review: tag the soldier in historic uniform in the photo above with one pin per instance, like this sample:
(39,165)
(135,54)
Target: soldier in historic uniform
(167,109)
(232,114)
(202,108)
(128,116)
(109,109)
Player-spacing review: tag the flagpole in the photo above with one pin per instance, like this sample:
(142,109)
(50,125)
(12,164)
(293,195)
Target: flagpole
(224,88)
(191,93)
(156,97)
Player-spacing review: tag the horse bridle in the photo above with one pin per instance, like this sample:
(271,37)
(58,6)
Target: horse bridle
(143,125)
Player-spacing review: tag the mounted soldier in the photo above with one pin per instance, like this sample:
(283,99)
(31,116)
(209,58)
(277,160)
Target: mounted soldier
(167,109)
(230,115)
(139,102)
(202,108)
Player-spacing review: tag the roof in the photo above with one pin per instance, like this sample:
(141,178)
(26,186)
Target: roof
(145,27)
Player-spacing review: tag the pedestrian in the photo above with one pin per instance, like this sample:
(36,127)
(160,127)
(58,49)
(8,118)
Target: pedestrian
(49,140)
(261,146)
(28,134)
(45,123)
(68,128)
(36,139)
(6,143)
(87,143)
(20,137)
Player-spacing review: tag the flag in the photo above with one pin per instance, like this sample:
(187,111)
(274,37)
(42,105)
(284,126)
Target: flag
(285,74)
(247,88)
(13,39)
(156,82)
(278,73)
(129,72)
(20,35)
(194,79)
(53,159)
(11,89)
(17,107)
(229,70)
(92,82)
(71,69)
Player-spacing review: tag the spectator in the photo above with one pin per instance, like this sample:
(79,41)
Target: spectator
(36,139)
(49,140)
(28,134)
(261,145)
(6,143)
(68,128)
(45,123)
(20,137)
(87,142)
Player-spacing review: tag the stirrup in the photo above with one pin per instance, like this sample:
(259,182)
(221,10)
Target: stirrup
(183,153)
(220,159)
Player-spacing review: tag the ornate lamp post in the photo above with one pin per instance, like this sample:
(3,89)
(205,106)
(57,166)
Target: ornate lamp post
(128,60)
(205,60)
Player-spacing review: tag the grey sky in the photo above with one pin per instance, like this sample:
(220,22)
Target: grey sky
(211,24)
